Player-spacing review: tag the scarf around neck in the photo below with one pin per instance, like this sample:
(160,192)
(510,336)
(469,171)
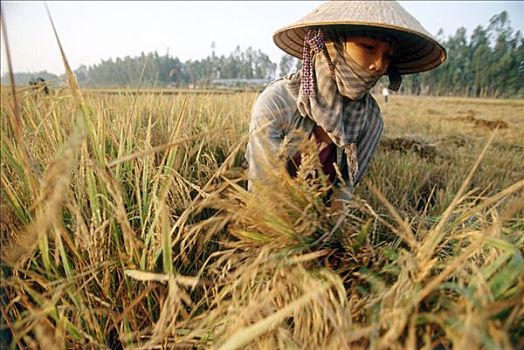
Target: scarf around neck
(340,102)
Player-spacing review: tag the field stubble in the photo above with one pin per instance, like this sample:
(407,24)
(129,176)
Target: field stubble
(125,223)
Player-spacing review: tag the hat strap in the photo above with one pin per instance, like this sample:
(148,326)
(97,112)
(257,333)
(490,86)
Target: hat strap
(314,42)
(395,79)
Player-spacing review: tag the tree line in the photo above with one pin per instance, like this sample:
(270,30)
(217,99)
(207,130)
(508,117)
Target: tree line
(490,63)
(153,69)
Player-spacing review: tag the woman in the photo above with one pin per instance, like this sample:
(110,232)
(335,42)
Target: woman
(345,47)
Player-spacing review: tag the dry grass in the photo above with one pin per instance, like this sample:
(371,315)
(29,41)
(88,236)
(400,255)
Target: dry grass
(139,233)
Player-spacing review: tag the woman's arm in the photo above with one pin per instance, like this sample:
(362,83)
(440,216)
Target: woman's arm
(271,120)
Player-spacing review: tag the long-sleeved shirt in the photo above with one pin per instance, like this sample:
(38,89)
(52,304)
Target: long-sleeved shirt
(274,118)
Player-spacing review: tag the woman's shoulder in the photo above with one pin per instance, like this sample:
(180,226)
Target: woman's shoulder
(374,108)
(374,103)
(371,103)
(280,94)
(281,87)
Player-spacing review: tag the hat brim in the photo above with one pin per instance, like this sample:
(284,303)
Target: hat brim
(415,52)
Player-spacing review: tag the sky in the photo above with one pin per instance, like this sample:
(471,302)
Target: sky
(94,30)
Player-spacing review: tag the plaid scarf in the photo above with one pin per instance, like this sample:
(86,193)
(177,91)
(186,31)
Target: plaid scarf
(337,99)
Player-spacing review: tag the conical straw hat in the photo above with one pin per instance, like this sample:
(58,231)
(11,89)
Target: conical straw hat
(416,50)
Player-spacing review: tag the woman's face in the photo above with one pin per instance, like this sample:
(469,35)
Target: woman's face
(371,54)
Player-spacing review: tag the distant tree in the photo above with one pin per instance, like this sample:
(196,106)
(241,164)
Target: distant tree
(489,64)
(39,86)
(25,78)
(298,65)
(480,61)
(286,65)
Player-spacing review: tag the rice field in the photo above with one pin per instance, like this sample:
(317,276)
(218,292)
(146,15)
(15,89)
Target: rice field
(125,223)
